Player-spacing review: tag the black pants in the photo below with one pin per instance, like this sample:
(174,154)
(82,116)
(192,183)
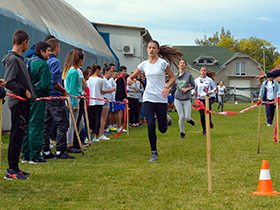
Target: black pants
(134,108)
(56,111)
(80,115)
(202,114)
(270,110)
(19,118)
(94,115)
(160,110)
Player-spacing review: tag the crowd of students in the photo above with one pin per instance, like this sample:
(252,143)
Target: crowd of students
(40,75)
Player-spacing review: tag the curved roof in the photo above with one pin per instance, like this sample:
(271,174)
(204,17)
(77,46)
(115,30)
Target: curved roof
(61,17)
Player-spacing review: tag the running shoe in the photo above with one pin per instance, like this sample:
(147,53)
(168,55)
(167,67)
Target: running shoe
(191,122)
(154,156)
(182,135)
(14,175)
(104,138)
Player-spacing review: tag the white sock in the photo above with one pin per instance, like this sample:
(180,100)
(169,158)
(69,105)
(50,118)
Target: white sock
(58,152)
(47,153)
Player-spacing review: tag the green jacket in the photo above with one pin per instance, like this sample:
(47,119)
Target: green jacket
(41,77)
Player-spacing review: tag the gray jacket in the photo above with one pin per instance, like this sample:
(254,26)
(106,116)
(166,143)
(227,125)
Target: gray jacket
(130,88)
(17,77)
(183,81)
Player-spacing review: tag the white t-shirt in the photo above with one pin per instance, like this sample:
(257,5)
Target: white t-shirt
(95,85)
(155,74)
(269,89)
(221,90)
(81,73)
(114,85)
(204,86)
(107,85)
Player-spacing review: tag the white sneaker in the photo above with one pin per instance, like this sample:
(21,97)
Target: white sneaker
(95,139)
(103,137)
(119,130)
(86,140)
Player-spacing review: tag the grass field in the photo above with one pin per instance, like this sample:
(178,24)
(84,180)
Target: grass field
(117,174)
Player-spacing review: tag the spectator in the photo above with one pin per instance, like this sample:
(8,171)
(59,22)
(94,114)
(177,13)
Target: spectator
(41,79)
(121,95)
(56,109)
(95,84)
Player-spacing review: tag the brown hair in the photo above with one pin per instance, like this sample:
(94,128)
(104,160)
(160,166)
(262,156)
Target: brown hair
(170,54)
(210,73)
(67,64)
(53,42)
(20,36)
(95,67)
(48,37)
(77,56)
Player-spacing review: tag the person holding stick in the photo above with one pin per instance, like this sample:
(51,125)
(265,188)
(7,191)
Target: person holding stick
(182,93)
(204,85)
(74,88)
(18,82)
(155,95)
(56,109)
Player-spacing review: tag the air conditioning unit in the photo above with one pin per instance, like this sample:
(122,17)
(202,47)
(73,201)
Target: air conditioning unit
(128,49)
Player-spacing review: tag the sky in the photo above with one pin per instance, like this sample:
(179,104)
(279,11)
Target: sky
(180,22)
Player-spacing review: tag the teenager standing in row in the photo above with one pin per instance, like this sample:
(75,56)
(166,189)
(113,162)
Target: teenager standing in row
(155,95)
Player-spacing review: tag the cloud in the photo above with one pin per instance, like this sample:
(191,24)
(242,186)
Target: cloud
(264,18)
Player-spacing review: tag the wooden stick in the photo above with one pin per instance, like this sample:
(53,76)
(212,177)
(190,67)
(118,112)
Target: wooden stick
(1,106)
(208,145)
(75,126)
(277,119)
(259,128)
(86,116)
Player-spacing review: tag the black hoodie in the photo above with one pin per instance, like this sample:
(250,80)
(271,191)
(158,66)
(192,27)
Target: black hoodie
(17,77)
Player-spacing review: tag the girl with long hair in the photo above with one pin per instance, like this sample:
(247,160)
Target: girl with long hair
(182,93)
(221,91)
(204,86)
(75,59)
(155,95)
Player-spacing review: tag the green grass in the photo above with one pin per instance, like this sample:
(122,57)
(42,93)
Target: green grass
(117,174)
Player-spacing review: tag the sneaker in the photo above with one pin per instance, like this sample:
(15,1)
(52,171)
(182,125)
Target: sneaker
(154,156)
(119,130)
(86,141)
(182,135)
(63,155)
(24,173)
(14,174)
(203,133)
(169,120)
(104,138)
(49,156)
(36,161)
(84,144)
(140,124)
(112,129)
(25,160)
(95,139)
(191,122)
(218,107)
(73,150)
(211,125)
(136,125)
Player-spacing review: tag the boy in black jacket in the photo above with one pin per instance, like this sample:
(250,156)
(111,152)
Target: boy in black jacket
(19,83)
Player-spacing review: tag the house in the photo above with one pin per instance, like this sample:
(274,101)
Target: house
(128,43)
(235,69)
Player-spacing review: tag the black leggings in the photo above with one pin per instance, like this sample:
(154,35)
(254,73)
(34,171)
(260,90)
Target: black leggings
(160,110)
(202,114)
(94,114)
(134,108)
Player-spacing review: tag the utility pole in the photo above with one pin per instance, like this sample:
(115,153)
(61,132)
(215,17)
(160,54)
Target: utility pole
(264,59)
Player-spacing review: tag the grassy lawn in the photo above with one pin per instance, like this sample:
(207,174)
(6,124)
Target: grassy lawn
(117,174)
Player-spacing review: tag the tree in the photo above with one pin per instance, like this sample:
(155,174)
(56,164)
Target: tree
(251,46)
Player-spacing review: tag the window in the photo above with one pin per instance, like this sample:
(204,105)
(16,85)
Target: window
(240,68)
(201,61)
(209,61)
(206,61)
